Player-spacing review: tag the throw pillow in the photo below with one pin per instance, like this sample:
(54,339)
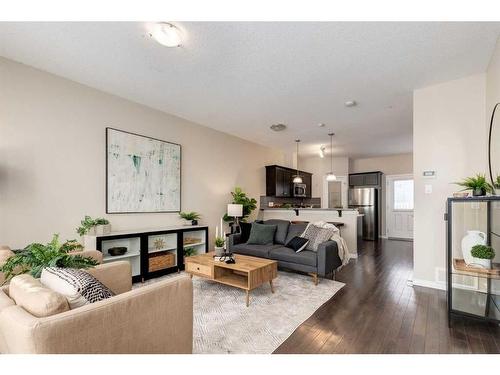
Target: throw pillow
(261,234)
(245,231)
(297,244)
(79,287)
(316,236)
(32,296)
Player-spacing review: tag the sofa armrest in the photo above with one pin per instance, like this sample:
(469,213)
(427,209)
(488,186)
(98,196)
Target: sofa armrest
(156,318)
(117,276)
(328,258)
(233,239)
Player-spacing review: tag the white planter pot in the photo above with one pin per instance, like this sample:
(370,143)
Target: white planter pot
(481,263)
(497,192)
(219,251)
(102,229)
(91,232)
(473,237)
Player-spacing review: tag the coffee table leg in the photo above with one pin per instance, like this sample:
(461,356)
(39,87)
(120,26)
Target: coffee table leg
(248,297)
(272,286)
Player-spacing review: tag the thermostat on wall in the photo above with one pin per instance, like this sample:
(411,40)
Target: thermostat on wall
(429,174)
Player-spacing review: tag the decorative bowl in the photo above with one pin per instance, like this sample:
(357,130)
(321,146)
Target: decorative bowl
(115,251)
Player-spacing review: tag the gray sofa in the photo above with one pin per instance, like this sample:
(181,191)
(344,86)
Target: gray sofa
(322,263)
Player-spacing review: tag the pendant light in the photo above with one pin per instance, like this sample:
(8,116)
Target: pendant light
(330,176)
(297,179)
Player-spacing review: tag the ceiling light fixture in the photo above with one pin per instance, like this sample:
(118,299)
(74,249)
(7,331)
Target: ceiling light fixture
(330,176)
(278,127)
(321,125)
(297,179)
(322,152)
(166,34)
(350,103)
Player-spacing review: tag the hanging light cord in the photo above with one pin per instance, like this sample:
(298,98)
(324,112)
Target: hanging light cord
(331,152)
(297,141)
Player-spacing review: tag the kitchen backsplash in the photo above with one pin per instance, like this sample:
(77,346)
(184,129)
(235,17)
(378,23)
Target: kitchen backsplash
(293,202)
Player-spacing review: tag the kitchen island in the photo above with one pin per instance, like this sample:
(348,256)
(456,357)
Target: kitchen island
(350,231)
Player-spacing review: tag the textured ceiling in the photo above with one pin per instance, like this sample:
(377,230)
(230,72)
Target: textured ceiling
(242,77)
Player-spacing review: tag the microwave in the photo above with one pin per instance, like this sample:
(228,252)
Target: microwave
(299,190)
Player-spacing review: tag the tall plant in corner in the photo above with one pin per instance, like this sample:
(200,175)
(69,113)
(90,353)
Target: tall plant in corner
(240,197)
(35,257)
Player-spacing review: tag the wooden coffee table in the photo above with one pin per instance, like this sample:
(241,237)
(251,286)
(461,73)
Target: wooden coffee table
(247,273)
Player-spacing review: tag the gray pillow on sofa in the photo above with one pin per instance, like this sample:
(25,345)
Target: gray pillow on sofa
(261,234)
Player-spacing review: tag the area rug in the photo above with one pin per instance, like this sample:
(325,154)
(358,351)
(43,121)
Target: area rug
(223,324)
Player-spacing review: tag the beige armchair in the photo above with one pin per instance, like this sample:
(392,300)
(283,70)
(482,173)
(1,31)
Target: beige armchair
(5,253)
(155,318)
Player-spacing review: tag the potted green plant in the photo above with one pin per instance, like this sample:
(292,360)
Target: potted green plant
(90,226)
(193,217)
(496,185)
(35,257)
(482,255)
(240,197)
(189,251)
(219,246)
(478,185)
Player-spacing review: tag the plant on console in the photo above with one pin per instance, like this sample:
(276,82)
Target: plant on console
(478,185)
(35,257)
(189,251)
(193,217)
(88,223)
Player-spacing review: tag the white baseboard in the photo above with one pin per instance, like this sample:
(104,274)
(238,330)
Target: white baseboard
(429,284)
(383,236)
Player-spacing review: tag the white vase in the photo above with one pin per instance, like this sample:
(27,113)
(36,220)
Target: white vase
(472,238)
(481,263)
(102,229)
(91,231)
(219,251)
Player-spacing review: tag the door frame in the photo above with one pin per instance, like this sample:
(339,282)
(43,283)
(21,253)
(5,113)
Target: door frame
(344,190)
(388,200)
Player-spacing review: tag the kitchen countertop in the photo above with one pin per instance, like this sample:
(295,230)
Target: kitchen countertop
(307,208)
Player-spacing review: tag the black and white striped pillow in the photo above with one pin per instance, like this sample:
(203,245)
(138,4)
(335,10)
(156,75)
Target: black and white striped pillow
(79,287)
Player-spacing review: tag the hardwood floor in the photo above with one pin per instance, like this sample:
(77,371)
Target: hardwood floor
(378,312)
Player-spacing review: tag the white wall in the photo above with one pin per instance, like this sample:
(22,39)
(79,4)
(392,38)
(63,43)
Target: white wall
(389,165)
(449,137)
(319,167)
(52,157)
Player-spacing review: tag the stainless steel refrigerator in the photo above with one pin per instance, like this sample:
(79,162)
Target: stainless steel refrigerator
(365,200)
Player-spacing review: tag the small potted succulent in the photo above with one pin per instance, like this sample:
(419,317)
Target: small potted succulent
(193,217)
(219,246)
(482,256)
(496,185)
(478,185)
(90,226)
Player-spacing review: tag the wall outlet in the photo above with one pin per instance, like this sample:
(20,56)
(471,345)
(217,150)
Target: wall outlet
(428,189)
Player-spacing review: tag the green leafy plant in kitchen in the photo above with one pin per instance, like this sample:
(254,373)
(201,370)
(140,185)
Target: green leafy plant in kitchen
(496,182)
(88,223)
(35,257)
(240,197)
(482,252)
(219,241)
(189,251)
(477,184)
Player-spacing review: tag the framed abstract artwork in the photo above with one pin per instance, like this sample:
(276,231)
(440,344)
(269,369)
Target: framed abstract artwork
(143,174)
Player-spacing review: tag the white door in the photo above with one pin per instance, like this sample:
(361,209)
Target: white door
(399,206)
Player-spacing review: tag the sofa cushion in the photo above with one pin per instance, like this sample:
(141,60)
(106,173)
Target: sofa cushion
(317,235)
(79,287)
(295,230)
(245,231)
(297,244)
(261,234)
(31,295)
(261,251)
(281,229)
(288,255)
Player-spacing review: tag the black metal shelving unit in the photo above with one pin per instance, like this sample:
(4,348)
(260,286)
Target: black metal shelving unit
(471,293)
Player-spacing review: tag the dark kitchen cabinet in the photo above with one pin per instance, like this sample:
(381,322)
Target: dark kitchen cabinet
(279,181)
(365,179)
